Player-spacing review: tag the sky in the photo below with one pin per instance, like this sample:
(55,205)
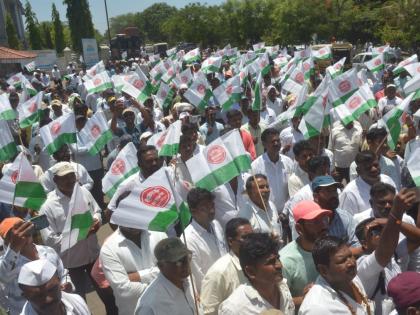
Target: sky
(42,8)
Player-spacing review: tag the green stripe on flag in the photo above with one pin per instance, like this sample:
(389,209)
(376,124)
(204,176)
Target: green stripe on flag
(8,115)
(168,99)
(113,189)
(192,59)
(8,151)
(210,69)
(358,112)
(394,127)
(203,104)
(83,222)
(266,70)
(234,98)
(62,139)
(344,98)
(417,181)
(324,57)
(30,120)
(101,142)
(33,191)
(378,68)
(304,108)
(169,149)
(310,131)
(146,92)
(100,88)
(225,173)
(163,220)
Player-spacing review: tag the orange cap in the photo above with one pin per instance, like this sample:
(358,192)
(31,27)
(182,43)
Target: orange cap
(7,224)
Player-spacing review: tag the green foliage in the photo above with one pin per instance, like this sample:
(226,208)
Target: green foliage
(32,27)
(58,30)
(46,29)
(80,22)
(12,38)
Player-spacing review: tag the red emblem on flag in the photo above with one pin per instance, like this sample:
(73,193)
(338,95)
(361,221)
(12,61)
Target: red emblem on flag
(299,78)
(201,88)
(14,176)
(118,167)
(216,154)
(377,62)
(95,131)
(418,69)
(306,66)
(229,89)
(344,86)
(157,196)
(355,102)
(159,143)
(184,79)
(381,49)
(138,84)
(33,107)
(55,128)
(97,81)
(163,94)
(337,66)
(322,51)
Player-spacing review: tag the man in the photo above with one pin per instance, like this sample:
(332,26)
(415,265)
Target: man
(80,258)
(355,196)
(128,264)
(377,266)
(148,162)
(130,128)
(298,266)
(171,292)
(40,285)
(405,292)
(259,259)
(55,73)
(257,207)
(289,136)
(273,101)
(63,156)
(268,116)
(204,236)
(337,290)
(303,152)
(58,109)
(342,224)
(275,166)
(390,99)
(345,141)
(234,119)
(20,249)
(211,128)
(225,275)
(255,127)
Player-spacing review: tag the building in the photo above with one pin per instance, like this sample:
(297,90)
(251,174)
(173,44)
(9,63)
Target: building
(15,9)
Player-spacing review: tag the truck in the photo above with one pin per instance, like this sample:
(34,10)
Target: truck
(129,41)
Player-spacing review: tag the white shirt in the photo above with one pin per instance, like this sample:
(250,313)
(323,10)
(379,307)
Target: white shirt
(268,116)
(56,208)
(276,106)
(55,73)
(297,180)
(356,195)
(82,155)
(345,143)
(261,221)
(206,247)
(277,174)
(322,299)
(82,177)
(73,303)
(291,136)
(220,281)
(162,297)
(245,300)
(227,202)
(120,256)
(385,101)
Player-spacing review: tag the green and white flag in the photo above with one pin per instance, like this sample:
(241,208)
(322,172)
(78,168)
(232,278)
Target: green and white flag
(291,86)
(280,61)
(168,142)
(96,133)
(153,205)
(308,67)
(192,56)
(19,185)
(393,120)
(413,85)
(185,77)
(6,110)
(118,81)
(376,64)
(380,50)
(124,165)
(219,162)
(199,92)
(258,90)
(413,165)
(356,105)
(337,68)
(78,221)
(323,53)
(261,64)
(272,51)
(211,65)
(171,52)
(59,132)
(303,54)
(343,86)
(15,80)
(229,92)
(98,83)
(316,116)
(165,95)
(413,69)
(400,67)
(138,86)
(259,47)
(297,74)
(30,66)
(27,87)
(94,70)
(29,111)
(8,148)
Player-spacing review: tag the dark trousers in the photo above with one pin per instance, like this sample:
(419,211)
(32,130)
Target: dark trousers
(96,190)
(344,173)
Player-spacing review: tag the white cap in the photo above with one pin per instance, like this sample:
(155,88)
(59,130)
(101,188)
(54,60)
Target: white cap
(62,168)
(183,86)
(36,273)
(146,135)
(184,114)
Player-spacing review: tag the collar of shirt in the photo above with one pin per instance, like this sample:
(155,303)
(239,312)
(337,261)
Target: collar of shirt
(171,288)
(267,159)
(200,230)
(60,195)
(235,261)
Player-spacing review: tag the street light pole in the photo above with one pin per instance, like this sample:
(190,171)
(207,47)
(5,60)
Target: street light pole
(107,23)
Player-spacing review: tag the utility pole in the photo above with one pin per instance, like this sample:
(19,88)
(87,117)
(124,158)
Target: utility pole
(107,23)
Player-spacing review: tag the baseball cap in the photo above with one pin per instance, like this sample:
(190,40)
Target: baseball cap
(405,289)
(323,181)
(128,110)
(171,250)
(308,210)
(7,224)
(62,168)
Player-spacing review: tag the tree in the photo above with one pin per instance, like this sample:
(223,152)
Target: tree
(80,22)
(151,19)
(32,27)
(12,38)
(58,30)
(45,28)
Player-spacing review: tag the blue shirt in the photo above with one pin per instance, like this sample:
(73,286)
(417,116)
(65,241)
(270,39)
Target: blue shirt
(343,225)
(217,128)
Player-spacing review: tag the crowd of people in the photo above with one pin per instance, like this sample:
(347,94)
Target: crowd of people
(325,220)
